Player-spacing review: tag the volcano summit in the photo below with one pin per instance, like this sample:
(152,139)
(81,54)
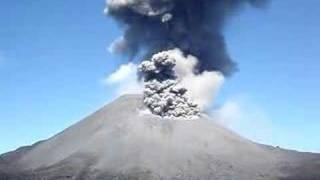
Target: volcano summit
(163,134)
(119,142)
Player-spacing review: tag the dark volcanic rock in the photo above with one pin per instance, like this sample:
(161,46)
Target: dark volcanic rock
(119,142)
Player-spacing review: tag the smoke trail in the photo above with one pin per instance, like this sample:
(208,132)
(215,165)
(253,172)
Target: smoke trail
(193,26)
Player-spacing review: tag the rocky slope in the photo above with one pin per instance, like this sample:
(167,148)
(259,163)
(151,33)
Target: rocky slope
(120,142)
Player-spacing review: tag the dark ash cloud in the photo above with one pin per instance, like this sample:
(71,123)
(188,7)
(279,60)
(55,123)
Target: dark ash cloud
(194,26)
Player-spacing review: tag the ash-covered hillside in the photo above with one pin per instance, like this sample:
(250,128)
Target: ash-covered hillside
(121,142)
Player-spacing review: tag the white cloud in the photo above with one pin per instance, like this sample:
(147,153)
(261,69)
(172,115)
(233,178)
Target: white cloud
(250,120)
(203,87)
(124,72)
(119,3)
(124,79)
(228,113)
(247,119)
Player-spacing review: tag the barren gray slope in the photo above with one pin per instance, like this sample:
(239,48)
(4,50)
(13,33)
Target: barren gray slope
(120,142)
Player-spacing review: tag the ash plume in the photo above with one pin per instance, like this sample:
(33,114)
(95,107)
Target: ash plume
(163,93)
(185,56)
(193,26)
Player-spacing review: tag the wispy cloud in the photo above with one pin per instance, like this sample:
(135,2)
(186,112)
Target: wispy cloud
(246,118)
(124,80)
(250,119)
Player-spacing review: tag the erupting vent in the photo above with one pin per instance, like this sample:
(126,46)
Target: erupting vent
(163,94)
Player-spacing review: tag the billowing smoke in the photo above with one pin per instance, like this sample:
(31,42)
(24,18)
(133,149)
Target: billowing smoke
(202,87)
(172,89)
(194,26)
(163,93)
(183,46)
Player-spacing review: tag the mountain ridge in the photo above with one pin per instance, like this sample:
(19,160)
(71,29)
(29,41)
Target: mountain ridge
(120,142)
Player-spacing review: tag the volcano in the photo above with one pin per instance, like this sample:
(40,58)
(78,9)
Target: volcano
(120,142)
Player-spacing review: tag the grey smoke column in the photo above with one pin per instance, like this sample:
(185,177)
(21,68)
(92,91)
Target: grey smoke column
(163,94)
(194,26)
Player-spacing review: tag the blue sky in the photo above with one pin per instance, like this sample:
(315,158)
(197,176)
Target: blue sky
(53,58)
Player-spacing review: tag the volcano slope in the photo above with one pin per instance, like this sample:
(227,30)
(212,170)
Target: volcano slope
(118,142)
